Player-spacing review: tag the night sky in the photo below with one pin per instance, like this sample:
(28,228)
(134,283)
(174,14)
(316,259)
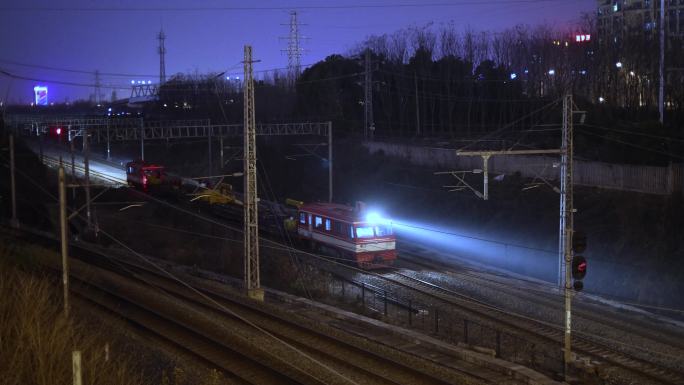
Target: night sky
(122,40)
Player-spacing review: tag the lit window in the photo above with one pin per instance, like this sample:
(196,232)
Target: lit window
(327,225)
(302,218)
(318,222)
(382,231)
(364,232)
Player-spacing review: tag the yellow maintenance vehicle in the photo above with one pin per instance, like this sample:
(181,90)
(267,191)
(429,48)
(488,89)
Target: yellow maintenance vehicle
(221,194)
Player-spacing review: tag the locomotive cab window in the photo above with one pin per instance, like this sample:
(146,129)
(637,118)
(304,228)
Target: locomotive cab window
(382,231)
(302,218)
(364,232)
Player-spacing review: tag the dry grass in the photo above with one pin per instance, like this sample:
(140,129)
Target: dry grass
(36,340)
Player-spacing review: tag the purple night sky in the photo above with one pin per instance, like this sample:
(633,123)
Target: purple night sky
(122,40)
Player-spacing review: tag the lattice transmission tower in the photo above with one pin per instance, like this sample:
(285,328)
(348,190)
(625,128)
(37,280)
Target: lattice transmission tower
(161,50)
(294,50)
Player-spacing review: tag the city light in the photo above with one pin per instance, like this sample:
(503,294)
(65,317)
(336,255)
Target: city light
(552,72)
(601,99)
(514,76)
(581,38)
(618,64)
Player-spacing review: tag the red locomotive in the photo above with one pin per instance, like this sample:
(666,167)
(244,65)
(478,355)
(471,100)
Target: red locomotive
(143,175)
(348,233)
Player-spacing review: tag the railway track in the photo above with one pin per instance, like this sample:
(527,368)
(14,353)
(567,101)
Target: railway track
(551,298)
(551,334)
(55,162)
(545,333)
(211,325)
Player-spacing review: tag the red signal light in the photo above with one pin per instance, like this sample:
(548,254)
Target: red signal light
(579,267)
(582,267)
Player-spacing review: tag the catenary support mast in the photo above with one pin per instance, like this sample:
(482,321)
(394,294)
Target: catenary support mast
(251,224)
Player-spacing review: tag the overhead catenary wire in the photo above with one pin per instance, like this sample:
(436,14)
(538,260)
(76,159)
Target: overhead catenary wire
(211,300)
(675,156)
(494,308)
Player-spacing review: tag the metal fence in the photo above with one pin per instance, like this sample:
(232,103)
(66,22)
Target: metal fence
(446,323)
(644,179)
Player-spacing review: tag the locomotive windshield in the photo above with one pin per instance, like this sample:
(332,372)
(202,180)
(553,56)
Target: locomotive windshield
(382,231)
(364,232)
(373,231)
(153,172)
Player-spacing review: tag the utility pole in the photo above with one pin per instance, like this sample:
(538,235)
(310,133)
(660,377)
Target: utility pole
(76,368)
(330,163)
(86,166)
(211,166)
(162,56)
(566,221)
(98,85)
(73,165)
(63,237)
(368,124)
(251,215)
(15,221)
(415,82)
(142,139)
(661,88)
(221,152)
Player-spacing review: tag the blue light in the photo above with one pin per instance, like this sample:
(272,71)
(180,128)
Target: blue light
(373,217)
(513,76)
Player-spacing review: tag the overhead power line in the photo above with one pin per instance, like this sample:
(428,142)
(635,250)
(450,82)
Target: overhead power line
(128,75)
(78,71)
(277,8)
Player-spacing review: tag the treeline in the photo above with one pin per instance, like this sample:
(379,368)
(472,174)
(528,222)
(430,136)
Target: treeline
(439,81)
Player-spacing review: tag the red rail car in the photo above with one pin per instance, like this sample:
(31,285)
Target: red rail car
(143,175)
(346,232)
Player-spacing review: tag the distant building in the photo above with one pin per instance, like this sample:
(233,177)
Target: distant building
(616,18)
(40,94)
